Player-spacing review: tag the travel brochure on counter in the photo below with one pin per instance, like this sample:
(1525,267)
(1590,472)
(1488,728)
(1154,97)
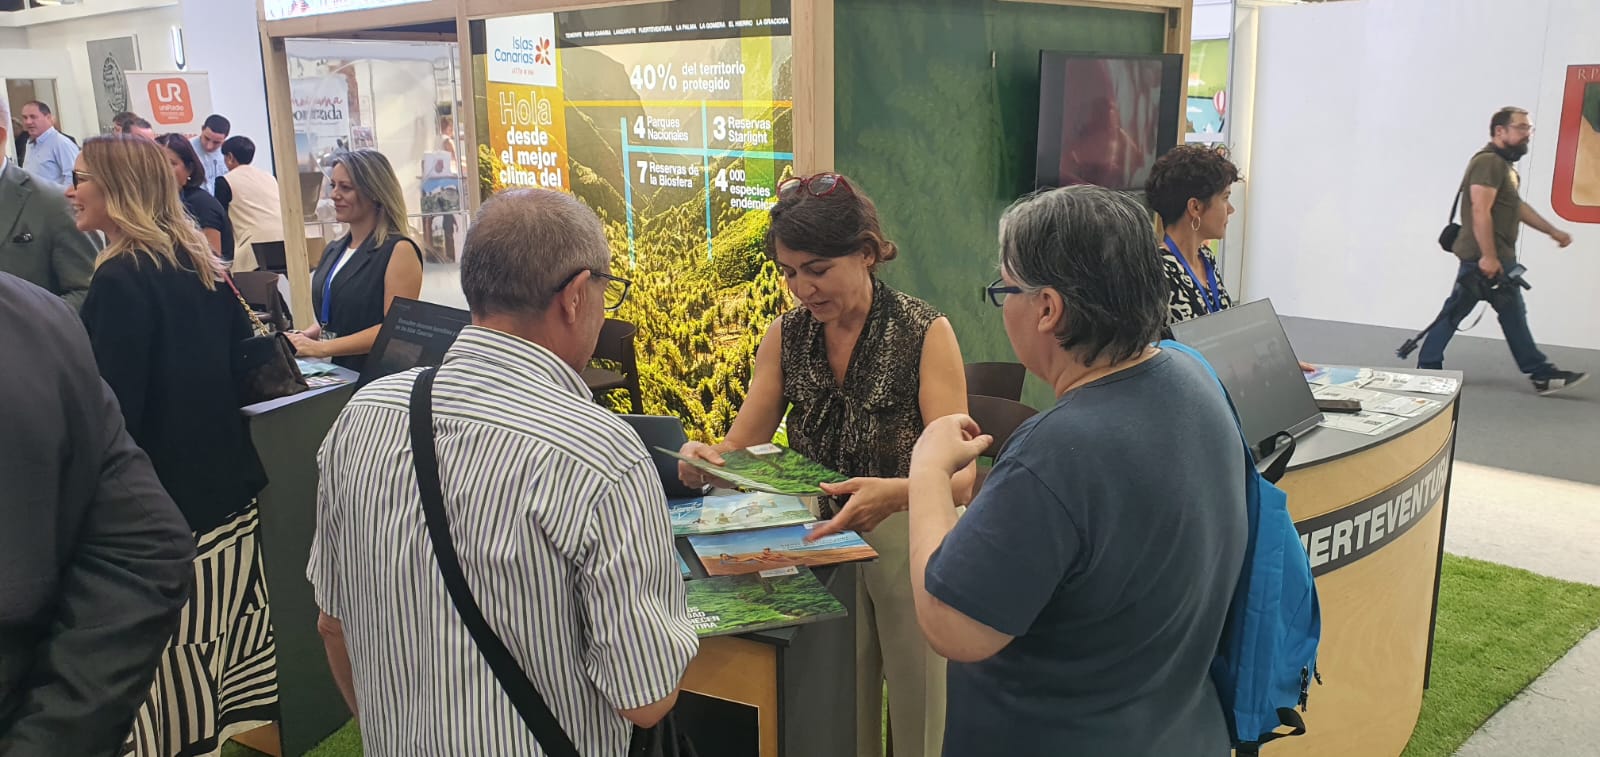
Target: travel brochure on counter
(1380,410)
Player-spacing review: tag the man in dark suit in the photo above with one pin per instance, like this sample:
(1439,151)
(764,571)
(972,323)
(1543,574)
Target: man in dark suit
(95,559)
(39,242)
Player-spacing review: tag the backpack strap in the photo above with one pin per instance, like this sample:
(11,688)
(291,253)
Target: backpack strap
(529,704)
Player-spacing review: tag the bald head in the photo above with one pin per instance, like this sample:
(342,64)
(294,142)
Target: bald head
(524,244)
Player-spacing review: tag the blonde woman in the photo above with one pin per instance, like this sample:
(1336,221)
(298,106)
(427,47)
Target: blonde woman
(163,325)
(363,271)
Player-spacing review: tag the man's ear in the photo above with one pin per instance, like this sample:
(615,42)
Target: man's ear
(1052,311)
(571,297)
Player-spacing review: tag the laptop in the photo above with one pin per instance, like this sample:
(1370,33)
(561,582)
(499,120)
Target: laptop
(1248,348)
(414,333)
(666,432)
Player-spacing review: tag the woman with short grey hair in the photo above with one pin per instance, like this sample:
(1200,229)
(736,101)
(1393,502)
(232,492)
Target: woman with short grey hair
(1081,598)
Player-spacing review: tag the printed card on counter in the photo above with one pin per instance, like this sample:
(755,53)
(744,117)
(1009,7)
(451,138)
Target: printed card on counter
(715,514)
(1331,376)
(1364,422)
(742,552)
(757,602)
(1407,382)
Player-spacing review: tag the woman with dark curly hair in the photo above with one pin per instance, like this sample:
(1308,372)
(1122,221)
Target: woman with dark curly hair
(1189,189)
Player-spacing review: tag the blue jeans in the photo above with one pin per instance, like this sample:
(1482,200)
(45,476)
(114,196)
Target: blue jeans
(1508,305)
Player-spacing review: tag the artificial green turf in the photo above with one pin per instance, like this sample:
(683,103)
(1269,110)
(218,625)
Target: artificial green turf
(1499,628)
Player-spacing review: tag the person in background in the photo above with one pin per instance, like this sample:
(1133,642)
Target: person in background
(208,146)
(1081,597)
(206,211)
(250,195)
(50,153)
(557,515)
(96,558)
(1189,189)
(130,123)
(363,271)
(164,326)
(1491,202)
(861,369)
(41,243)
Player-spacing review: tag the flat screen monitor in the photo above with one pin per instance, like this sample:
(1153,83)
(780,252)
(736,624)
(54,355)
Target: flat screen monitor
(1104,119)
(413,334)
(666,432)
(1251,354)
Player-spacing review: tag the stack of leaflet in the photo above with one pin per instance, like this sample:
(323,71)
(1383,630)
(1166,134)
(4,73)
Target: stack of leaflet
(1380,410)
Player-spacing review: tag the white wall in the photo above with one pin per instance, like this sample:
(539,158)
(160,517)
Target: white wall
(222,39)
(151,27)
(1365,114)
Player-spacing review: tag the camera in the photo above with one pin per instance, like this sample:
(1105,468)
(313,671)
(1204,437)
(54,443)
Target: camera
(1480,288)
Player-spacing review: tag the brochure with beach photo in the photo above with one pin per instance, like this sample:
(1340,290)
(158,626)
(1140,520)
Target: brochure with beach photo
(743,552)
(768,468)
(717,514)
(757,602)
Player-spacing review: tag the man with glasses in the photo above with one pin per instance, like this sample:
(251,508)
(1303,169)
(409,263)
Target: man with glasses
(41,243)
(1487,246)
(557,515)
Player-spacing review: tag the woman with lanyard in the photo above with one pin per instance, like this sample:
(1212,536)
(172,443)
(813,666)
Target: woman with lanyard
(1189,188)
(363,271)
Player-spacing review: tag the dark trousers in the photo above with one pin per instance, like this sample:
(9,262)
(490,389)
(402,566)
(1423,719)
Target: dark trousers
(1508,305)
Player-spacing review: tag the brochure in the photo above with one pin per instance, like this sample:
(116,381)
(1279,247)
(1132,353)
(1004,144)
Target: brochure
(754,602)
(1406,382)
(770,548)
(767,468)
(1351,377)
(683,565)
(1363,422)
(736,512)
(1378,402)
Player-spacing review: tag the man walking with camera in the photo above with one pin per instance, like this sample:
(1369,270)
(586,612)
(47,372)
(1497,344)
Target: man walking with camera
(1494,212)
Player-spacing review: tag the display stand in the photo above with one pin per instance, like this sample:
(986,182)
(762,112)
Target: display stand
(1371,511)
(287,433)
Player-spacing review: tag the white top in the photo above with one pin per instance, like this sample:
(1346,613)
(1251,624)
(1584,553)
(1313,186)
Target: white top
(344,257)
(256,211)
(562,529)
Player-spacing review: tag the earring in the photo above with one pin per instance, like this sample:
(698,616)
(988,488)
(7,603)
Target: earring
(1194,224)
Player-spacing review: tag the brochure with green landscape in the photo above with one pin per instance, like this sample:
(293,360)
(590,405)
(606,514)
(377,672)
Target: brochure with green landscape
(735,512)
(768,468)
(742,552)
(753,602)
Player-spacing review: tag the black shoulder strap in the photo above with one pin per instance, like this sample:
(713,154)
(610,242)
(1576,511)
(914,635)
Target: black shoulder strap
(540,720)
(1454,206)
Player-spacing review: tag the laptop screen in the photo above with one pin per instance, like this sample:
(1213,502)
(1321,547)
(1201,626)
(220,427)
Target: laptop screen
(413,334)
(1248,348)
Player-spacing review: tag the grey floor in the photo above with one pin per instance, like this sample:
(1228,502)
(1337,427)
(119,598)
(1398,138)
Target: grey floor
(1504,424)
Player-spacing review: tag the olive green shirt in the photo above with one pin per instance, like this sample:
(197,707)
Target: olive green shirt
(1488,169)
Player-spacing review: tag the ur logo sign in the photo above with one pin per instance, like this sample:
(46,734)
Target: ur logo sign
(170,101)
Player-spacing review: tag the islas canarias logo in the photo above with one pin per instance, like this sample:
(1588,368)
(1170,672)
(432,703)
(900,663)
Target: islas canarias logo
(522,49)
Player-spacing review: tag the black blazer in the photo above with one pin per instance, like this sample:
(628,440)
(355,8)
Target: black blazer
(355,301)
(165,344)
(95,560)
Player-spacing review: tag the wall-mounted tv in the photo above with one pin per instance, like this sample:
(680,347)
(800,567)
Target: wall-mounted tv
(1104,119)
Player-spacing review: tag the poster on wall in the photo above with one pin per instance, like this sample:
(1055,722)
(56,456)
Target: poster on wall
(321,107)
(109,62)
(673,121)
(1575,193)
(1208,90)
(173,101)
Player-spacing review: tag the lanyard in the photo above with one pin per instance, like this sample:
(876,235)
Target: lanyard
(1211,297)
(327,285)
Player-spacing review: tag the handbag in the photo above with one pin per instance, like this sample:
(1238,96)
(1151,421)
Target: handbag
(665,739)
(1447,238)
(264,366)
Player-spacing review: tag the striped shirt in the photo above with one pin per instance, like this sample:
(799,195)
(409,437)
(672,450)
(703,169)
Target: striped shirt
(562,528)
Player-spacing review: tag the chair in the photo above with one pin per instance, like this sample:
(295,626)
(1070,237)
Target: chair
(616,346)
(260,289)
(999,418)
(1003,380)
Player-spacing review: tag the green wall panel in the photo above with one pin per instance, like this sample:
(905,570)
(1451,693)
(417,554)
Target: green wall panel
(943,140)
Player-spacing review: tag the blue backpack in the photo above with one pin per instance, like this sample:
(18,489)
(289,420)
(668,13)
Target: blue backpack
(1267,657)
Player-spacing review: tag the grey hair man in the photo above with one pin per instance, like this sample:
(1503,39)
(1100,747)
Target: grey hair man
(41,244)
(1082,596)
(555,507)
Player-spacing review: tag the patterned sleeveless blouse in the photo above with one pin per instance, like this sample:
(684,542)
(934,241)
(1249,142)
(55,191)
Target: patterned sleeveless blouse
(867,426)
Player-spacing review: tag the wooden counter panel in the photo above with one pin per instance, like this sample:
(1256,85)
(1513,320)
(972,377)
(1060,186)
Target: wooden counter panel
(1339,483)
(743,671)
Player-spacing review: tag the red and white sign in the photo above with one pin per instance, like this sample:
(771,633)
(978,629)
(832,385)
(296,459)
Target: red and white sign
(174,101)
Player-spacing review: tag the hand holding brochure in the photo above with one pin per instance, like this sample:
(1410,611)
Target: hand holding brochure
(767,468)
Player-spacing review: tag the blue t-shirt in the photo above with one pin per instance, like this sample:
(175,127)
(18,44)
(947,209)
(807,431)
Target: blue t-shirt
(1107,540)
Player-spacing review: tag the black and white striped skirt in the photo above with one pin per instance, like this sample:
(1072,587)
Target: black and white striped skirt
(218,677)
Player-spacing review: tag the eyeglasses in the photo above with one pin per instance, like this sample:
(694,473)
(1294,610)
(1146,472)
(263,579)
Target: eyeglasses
(820,185)
(1523,127)
(78,177)
(616,286)
(996,292)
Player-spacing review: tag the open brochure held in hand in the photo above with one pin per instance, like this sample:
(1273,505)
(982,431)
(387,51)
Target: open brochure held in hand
(757,602)
(767,468)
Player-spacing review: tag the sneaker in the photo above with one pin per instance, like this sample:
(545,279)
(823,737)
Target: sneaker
(1557,381)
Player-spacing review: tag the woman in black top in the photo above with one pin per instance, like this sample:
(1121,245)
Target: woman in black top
(861,370)
(361,272)
(164,325)
(206,211)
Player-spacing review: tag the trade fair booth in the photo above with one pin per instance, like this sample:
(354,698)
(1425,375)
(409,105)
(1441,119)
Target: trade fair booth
(675,121)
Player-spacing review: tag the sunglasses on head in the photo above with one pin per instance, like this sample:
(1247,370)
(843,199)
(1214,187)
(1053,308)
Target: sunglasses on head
(820,185)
